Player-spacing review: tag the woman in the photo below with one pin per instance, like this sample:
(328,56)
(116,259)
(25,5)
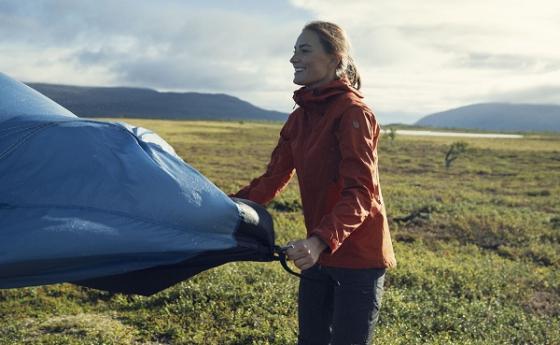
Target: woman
(330,140)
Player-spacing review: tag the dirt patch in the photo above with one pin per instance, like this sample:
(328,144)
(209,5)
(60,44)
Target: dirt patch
(543,303)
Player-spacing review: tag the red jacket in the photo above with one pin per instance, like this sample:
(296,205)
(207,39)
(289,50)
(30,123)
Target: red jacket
(331,142)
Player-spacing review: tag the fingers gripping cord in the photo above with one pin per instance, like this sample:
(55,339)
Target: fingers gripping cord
(282,257)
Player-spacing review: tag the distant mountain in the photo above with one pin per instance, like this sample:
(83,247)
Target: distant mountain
(497,117)
(147,103)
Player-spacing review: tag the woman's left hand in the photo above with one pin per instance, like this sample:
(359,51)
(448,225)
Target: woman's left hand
(305,253)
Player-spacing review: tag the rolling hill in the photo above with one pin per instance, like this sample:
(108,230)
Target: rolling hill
(147,103)
(505,117)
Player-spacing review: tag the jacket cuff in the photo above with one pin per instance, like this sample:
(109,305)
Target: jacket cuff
(330,241)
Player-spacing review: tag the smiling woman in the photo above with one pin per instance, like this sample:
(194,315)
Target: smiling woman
(318,59)
(330,140)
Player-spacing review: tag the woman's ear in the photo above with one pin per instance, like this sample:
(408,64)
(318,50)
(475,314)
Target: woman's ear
(335,62)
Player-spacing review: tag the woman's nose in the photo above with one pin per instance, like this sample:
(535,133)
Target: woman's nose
(293,59)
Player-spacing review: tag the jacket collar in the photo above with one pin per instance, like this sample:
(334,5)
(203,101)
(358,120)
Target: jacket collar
(318,97)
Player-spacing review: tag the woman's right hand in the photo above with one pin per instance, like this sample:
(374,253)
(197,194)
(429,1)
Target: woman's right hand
(305,253)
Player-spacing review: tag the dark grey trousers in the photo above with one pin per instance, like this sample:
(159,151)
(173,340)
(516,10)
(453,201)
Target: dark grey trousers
(339,306)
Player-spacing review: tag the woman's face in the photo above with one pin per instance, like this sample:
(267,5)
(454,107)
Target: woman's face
(313,66)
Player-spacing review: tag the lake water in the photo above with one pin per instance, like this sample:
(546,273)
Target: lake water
(455,134)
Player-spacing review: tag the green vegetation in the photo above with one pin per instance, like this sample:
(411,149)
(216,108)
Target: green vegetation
(455,150)
(478,247)
(392,134)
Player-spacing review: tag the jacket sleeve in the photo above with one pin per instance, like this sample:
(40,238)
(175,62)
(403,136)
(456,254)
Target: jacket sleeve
(357,135)
(279,171)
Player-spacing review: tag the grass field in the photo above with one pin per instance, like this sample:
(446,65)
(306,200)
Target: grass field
(478,247)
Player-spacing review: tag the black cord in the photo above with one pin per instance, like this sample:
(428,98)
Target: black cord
(282,257)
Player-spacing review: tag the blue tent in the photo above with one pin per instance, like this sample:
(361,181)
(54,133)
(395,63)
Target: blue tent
(109,205)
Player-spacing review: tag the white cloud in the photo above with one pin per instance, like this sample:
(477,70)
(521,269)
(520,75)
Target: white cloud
(415,57)
(168,46)
(421,57)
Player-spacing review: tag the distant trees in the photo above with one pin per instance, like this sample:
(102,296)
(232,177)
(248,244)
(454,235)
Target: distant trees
(455,150)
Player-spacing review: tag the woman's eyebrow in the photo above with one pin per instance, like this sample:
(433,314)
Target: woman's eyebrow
(304,45)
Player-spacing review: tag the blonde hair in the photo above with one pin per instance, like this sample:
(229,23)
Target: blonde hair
(334,41)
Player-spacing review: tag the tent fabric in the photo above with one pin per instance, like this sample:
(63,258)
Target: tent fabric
(255,242)
(93,202)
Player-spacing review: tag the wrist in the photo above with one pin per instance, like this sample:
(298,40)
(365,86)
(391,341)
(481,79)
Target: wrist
(318,243)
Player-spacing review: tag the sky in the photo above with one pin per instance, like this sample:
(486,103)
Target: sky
(415,57)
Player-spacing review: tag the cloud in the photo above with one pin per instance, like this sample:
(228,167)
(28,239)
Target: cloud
(414,57)
(423,57)
(527,65)
(165,45)
(543,94)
